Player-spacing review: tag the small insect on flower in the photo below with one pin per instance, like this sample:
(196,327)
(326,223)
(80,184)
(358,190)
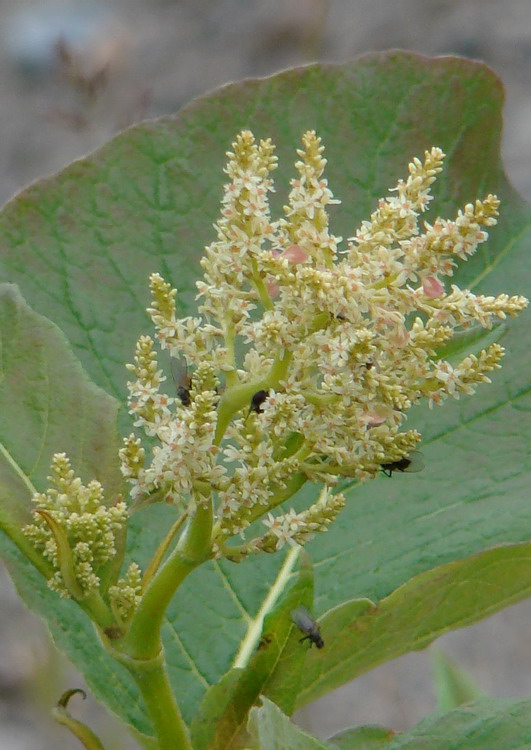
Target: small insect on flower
(409,464)
(181,378)
(257,401)
(306,624)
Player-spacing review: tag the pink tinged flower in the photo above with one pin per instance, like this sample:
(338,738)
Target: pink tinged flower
(432,287)
(294,254)
(371,418)
(272,287)
(398,336)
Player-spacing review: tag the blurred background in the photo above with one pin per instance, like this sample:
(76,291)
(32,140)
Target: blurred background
(75,72)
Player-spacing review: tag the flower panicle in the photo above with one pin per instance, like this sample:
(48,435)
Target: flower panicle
(74,529)
(463,378)
(303,360)
(306,221)
(299,528)
(396,218)
(291,528)
(150,407)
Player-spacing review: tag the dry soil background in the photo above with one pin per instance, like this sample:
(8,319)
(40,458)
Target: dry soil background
(154,56)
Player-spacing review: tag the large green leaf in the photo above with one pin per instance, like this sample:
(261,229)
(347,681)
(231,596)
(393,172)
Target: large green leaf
(48,405)
(274,670)
(360,634)
(272,730)
(81,245)
(368,737)
(489,724)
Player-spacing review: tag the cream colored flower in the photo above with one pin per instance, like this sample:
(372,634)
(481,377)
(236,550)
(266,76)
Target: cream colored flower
(336,346)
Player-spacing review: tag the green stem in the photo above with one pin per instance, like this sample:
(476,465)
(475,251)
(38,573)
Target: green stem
(260,287)
(231,377)
(279,368)
(143,640)
(152,679)
(81,731)
(161,551)
(384,283)
(234,399)
(97,610)
(293,485)
(320,399)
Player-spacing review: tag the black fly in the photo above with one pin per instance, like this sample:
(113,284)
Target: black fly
(409,464)
(307,625)
(257,401)
(179,371)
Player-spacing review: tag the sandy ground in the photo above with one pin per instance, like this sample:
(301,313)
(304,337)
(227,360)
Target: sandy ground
(162,53)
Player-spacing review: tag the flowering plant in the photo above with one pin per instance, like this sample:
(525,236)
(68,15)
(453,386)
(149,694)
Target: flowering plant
(337,347)
(293,384)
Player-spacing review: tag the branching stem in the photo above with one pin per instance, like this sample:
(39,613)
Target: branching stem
(143,640)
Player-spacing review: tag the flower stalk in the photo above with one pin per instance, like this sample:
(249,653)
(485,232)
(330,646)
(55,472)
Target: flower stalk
(143,639)
(151,677)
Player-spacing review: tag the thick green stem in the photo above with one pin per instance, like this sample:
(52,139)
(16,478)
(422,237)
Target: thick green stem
(152,679)
(143,640)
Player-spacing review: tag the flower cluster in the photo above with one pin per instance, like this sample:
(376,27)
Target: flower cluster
(303,358)
(125,594)
(74,529)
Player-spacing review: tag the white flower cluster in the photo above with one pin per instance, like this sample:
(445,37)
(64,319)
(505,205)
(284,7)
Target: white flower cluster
(74,529)
(124,596)
(302,361)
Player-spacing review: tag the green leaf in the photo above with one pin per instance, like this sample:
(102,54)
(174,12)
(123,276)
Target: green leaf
(453,686)
(490,724)
(360,635)
(82,243)
(65,562)
(274,669)
(47,406)
(470,341)
(362,738)
(272,730)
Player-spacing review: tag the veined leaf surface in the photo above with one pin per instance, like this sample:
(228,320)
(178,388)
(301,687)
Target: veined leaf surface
(81,245)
